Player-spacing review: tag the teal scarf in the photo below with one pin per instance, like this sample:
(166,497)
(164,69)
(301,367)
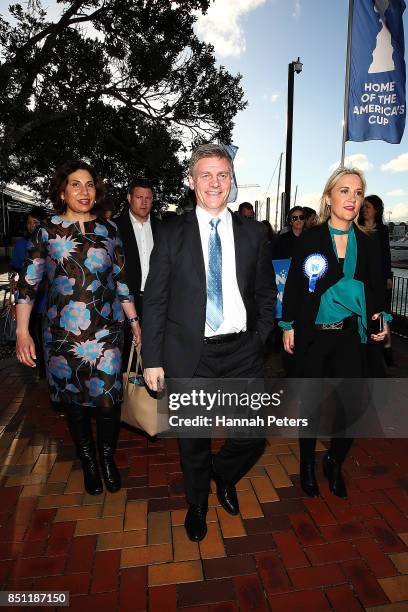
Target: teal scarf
(347,296)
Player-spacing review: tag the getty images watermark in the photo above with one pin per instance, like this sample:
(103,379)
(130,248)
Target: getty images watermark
(221,400)
(202,408)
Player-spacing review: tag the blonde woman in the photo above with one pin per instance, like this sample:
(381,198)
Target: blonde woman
(333,295)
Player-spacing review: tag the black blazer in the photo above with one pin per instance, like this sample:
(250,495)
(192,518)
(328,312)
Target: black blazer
(383,237)
(285,245)
(132,258)
(301,306)
(175,294)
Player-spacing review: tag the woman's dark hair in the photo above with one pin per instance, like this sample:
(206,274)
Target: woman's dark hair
(271,233)
(308,212)
(60,179)
(37,213)
(378,205)
(292,210)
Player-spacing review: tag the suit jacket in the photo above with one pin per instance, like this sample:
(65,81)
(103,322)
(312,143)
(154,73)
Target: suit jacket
(301,306)
(175,296)
(132,258)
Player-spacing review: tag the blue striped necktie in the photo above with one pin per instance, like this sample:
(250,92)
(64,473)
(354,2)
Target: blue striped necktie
(214,315)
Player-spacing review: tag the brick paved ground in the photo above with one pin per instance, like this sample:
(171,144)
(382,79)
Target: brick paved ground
(128,551)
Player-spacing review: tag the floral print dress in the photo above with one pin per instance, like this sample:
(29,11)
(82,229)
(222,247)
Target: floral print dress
(84,317)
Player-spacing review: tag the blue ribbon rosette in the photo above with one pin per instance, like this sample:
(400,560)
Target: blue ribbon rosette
(315,266)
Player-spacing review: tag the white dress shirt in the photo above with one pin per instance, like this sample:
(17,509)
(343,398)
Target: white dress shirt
(233,306)
(144,239)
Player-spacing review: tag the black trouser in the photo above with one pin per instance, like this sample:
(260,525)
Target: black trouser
(336,354)
(240,358)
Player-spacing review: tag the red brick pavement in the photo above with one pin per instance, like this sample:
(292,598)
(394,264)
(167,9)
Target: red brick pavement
(129,552)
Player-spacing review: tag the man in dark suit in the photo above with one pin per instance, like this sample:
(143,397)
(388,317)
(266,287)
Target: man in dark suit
(209,307)
(137,228)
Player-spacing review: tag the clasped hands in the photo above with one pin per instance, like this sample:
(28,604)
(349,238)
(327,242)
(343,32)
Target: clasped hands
(289,336)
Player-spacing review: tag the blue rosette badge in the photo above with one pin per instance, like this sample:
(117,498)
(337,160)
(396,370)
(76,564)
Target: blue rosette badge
(315,266)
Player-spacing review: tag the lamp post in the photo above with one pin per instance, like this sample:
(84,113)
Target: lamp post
(295,66)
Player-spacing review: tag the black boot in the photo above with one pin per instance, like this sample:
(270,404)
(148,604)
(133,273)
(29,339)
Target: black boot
(332,471)
(108,426)
(389,357)
(79,424)
(308,479)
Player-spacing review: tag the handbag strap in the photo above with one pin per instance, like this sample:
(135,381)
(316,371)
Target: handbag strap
(138,362)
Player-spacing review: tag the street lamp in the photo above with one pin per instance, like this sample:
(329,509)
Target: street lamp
(295,66)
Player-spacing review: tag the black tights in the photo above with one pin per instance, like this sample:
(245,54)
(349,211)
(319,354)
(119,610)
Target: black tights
(335,354)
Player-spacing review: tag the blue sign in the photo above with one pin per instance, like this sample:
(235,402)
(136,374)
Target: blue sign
(377,99)
(232,150)
(281,267)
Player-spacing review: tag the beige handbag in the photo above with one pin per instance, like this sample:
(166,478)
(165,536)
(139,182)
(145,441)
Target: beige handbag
(139,408)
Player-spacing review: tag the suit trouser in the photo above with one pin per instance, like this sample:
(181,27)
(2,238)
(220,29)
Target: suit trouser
(240,358)
(335,354)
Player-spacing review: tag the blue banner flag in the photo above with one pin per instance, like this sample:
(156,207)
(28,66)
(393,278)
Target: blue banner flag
(232,151)
(377,97)
(281,267)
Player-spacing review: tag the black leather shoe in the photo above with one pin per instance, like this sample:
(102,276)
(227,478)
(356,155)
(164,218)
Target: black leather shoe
(227,496)
(332,471)
(308,479)
(195,522)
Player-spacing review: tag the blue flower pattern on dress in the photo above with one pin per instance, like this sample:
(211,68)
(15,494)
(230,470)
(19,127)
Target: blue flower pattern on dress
(58,366)
(63,285)
(61,248)
(95,386)
(118,311)
(52,313)
(98,260)
(94,286)
(75,317)
(88,351)
(111,361)
(84,315)
(35,271)
(101,230)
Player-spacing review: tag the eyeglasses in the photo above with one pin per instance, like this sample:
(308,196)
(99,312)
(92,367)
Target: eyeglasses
(296,217)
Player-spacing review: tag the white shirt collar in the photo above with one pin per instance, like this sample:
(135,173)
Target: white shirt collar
(204,217)
(137,222)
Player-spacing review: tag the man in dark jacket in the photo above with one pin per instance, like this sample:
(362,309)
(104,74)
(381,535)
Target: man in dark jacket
(209,307)
(137,229)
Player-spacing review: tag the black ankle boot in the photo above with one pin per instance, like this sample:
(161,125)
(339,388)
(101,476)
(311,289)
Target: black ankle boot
(389,357)
(308,480)
(332,471)
(79,424)
(108,426)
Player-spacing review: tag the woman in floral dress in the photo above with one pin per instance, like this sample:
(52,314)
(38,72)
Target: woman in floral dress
(81,255)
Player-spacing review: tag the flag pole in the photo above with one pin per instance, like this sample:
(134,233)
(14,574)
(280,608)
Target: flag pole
(347,81)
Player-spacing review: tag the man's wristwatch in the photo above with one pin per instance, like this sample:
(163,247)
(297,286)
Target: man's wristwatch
(133,319)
